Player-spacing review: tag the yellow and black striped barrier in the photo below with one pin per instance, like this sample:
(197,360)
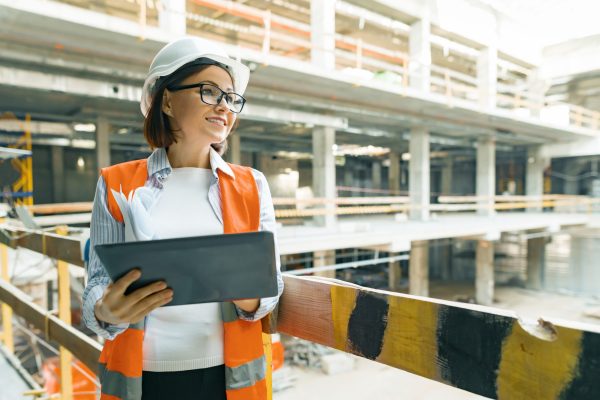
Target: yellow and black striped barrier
(478,349)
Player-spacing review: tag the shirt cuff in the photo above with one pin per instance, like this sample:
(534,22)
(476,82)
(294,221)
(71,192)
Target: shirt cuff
(265,306)
(101,328)
(249,316)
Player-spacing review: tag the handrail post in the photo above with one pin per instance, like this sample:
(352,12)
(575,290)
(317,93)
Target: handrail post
(7,328)
(64,313)
(266,45)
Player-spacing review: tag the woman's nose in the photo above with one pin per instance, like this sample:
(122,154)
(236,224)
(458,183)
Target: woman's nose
(223,104)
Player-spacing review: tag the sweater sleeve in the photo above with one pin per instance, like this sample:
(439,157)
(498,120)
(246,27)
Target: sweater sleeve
(267,223)
(103,229)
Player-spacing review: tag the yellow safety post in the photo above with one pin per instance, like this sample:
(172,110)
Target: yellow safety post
(64,313)
(7,328)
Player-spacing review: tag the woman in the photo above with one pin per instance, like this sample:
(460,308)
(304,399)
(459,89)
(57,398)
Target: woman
(190,100)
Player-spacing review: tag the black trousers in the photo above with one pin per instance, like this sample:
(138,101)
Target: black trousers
(197,384)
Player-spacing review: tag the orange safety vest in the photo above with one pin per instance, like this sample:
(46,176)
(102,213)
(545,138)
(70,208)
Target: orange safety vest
(247,349)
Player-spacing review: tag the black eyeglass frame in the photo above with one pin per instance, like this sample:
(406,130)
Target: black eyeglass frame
(177,88)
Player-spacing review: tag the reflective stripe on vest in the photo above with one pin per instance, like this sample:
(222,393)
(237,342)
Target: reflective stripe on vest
(246,350)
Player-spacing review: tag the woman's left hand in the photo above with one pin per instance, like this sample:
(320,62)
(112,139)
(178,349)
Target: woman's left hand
(249,305)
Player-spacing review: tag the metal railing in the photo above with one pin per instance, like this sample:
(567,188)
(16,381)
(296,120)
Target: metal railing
(304,208)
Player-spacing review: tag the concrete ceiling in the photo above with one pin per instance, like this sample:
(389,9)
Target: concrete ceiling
(377,113)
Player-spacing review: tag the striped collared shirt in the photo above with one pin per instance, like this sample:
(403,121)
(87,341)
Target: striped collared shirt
(105,229)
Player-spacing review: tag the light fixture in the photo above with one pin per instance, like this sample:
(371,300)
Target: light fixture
(405,156)
(80,163)
(356,150)
(84,127)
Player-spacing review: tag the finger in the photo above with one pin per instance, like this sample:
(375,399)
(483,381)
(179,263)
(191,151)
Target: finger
(141,293)
(129,305)
(122,284)
(145,311)
(149,301)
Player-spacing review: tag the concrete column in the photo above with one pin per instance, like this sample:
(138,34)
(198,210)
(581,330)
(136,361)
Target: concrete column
(418,268)
(323,258)
(447,177)
(484,274)
(102,142)
(446,260)
(235,151)
(534,181)
(487,77)
(420,55)
(536,88)
(348,180)
(394,275)
(571,186)
(58,174)
(536,262)
(394,174)
(418,182)
(486,175)
(171,17)
(322,23)
(376,174)
(323,140)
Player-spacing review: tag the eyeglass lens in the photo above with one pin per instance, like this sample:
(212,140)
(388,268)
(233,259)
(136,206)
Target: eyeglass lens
(212,95)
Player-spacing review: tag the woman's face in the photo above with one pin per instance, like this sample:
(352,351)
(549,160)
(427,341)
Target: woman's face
(195,121)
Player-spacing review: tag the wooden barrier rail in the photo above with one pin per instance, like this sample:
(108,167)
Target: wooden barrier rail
(65,250)
(84,348)
(478,349)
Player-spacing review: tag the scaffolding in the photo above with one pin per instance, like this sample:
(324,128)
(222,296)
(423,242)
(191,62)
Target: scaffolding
(20,155)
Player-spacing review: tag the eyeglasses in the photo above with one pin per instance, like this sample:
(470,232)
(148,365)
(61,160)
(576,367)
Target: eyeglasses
(212,95)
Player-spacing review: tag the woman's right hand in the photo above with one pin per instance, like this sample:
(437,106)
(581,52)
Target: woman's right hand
(116,308)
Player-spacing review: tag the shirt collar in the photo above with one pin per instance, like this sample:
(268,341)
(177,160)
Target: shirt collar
(159,162)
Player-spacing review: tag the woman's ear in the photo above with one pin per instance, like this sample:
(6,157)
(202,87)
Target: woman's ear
(166,103)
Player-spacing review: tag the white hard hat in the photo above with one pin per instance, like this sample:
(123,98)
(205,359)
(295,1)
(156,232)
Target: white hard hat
(182,51)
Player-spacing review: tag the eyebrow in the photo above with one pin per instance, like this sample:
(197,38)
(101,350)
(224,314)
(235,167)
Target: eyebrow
(229,89)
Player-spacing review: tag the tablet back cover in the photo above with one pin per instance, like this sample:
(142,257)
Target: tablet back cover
(199,269)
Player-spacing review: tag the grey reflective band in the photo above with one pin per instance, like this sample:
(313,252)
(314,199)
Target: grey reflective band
(118,385)
(246,374)
(228,312)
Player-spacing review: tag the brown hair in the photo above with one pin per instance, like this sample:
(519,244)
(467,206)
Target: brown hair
(157,129)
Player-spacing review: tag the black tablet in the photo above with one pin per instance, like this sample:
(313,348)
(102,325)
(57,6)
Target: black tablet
(200,269)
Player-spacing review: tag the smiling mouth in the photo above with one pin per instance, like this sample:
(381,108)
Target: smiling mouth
(216,121)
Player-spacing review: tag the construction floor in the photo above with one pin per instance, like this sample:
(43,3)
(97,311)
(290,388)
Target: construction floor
(374,381)
(389,234)
(12,384)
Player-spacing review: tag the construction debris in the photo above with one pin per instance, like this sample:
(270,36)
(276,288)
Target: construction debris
(336,363)
(303,353)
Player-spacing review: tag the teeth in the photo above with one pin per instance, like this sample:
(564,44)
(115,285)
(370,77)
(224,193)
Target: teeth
(217,121)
